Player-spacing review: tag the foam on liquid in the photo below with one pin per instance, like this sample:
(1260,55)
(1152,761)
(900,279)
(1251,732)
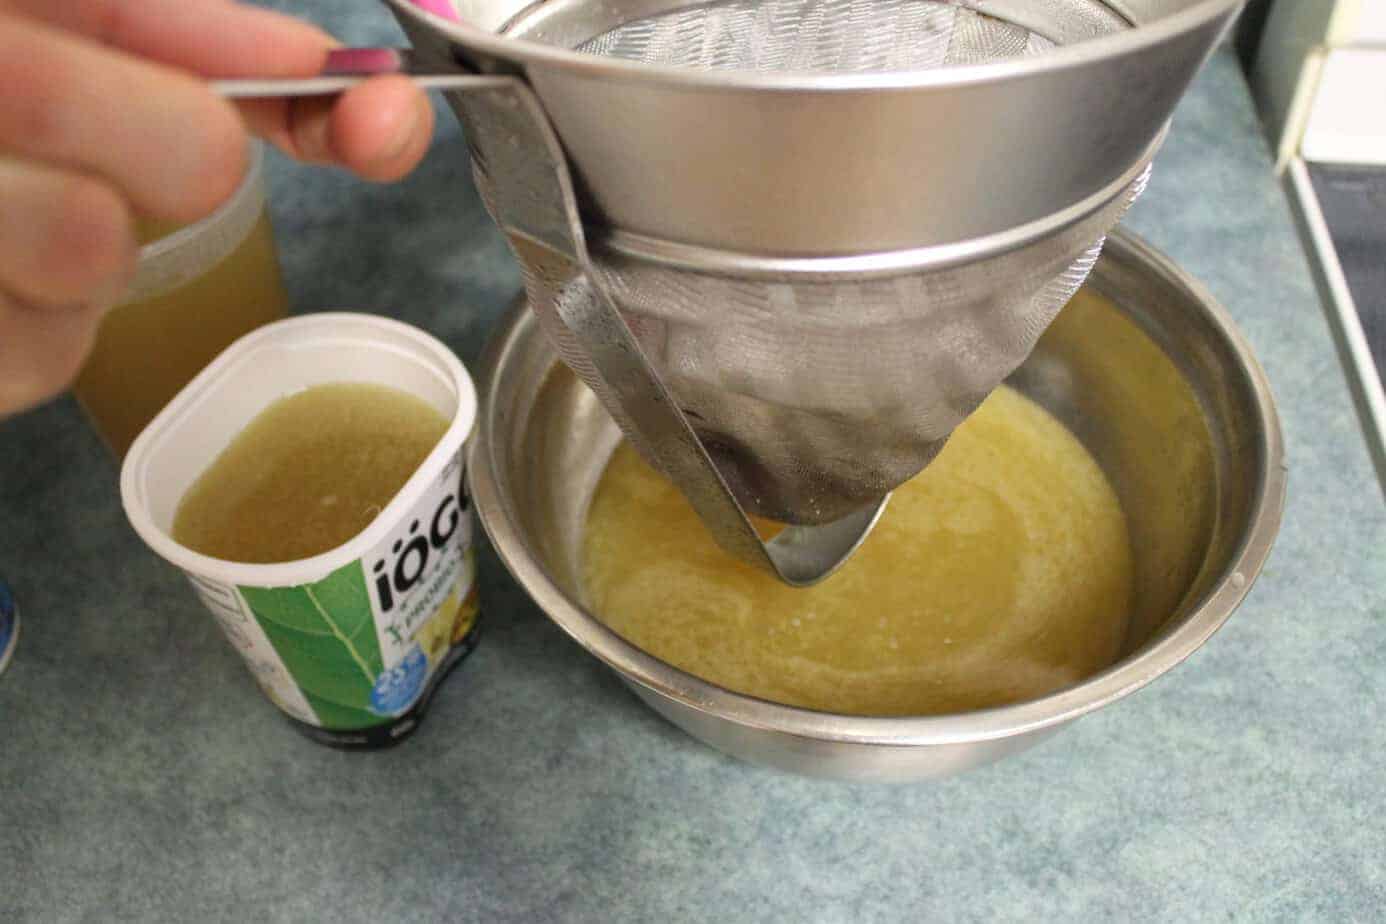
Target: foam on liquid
(1000,573)
(308,474)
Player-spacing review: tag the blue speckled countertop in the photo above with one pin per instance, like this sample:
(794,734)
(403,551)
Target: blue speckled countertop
(144,777)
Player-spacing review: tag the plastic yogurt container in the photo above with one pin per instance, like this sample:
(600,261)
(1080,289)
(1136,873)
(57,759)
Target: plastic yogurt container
(350,644)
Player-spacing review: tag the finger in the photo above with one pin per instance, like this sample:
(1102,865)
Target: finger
(212,38)
(298,126)
(171,145)
(65,238)
(41,349)
(380,129)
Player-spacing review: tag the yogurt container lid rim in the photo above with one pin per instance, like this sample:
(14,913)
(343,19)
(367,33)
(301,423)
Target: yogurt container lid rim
(306,570)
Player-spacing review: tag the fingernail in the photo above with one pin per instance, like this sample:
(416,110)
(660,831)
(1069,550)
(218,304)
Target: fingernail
(402,137)
(438,8)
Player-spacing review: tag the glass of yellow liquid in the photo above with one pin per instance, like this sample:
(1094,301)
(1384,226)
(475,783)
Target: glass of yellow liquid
(197,289)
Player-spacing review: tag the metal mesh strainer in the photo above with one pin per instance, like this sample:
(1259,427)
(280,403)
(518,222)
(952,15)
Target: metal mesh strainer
(818,395)
(818,35)
(816,392)
(823,230)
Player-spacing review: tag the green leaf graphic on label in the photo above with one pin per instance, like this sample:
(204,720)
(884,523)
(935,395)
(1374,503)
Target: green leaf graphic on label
(325,635)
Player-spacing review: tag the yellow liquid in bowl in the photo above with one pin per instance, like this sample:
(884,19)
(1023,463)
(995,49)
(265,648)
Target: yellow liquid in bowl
(1001,573)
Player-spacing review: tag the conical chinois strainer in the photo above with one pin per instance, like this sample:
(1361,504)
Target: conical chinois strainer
(822,231)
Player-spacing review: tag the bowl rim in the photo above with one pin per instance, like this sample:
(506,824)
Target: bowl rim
(1207,614)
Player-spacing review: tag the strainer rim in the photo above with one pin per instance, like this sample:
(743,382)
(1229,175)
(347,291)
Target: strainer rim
(878,264)
(1079,54)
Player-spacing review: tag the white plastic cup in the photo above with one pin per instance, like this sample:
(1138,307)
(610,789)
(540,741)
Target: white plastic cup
(195,291)
(347,643)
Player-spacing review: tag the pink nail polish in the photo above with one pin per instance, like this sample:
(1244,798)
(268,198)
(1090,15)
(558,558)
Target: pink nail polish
(361,61)
(441,8)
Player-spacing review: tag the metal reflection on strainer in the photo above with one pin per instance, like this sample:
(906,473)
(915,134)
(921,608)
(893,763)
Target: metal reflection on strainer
(818,35)
(807,35)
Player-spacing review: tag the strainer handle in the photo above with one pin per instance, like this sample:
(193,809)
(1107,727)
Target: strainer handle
(344,68)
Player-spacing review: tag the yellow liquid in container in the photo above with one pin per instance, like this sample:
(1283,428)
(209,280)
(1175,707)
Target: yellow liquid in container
(308,474)
(1001,573)
(147,350)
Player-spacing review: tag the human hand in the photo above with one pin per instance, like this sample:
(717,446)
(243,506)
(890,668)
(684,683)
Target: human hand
(103,116)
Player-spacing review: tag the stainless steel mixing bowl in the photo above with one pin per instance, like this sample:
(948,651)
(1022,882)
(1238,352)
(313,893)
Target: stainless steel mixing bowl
(1142,366)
